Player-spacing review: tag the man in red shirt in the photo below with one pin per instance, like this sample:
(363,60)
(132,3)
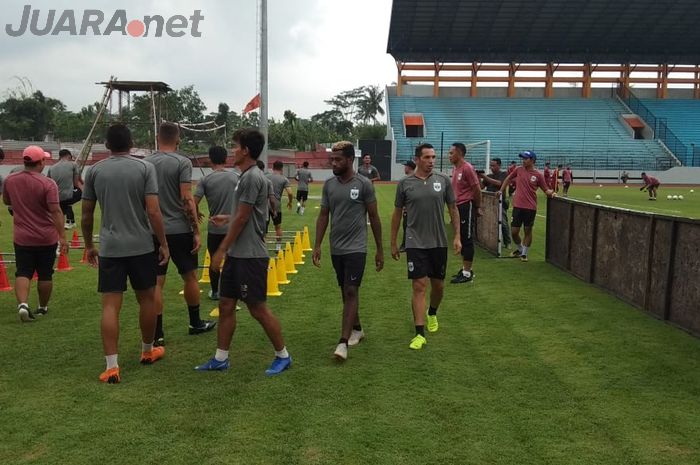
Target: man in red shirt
(527,180)
(38,228)
(467,189)
(651,184)
(567,178)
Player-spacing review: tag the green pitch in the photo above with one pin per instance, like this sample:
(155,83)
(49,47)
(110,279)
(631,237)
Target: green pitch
(530,366)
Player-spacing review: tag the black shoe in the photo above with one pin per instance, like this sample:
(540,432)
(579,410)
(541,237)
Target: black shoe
(25,315)
(462,278)
(204,326)
(41,311)
(159,342)
(458,274)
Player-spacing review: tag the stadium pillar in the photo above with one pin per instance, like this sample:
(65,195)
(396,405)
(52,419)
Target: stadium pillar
(586,91)
(511,79)
(475,71)
(399,79)
(625,79)
(549,79)
(696,85)
(663,84)
(436,78)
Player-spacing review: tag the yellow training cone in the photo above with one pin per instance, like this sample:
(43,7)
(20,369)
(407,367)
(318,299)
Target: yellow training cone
(306,240)
(289,259)
(298,256)
(297,238)
(273,289)
(205,271)
(281,269)
(214,313)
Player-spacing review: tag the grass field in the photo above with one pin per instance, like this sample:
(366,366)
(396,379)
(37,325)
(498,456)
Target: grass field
(530,366)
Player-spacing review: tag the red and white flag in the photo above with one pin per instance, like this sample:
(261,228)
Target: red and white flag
(252,105)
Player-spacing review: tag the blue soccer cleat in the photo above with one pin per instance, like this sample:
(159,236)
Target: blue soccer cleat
(213,365)
(278,366)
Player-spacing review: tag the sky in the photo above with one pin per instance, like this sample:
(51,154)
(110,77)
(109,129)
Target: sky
(317,48)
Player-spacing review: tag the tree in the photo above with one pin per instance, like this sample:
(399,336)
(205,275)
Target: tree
(29,117)
(369,104)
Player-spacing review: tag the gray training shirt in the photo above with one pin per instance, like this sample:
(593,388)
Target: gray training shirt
(347,204)
(218,187)
(120,185)
(424,201)
(304,178)
(63,173)
(172,169)
(279,184)
(370,173)
(252,189)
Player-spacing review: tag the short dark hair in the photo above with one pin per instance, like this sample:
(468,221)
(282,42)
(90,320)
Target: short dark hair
(169,132)
(2,154)
(559,165)
(64,153)
(118,138)
(461,147)
(251,139)
(420,148)
(31,164)
(497,160)
(217,155)
(344,147)
(277,166)
(260,164)
(305,164)
(643,173)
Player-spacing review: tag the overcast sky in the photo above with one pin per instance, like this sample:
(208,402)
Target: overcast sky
(317,48)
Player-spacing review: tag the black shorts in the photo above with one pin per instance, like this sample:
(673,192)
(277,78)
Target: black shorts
(276,218)
(35,258)
(244,279)
(427,262)
(213,242)
(566,184)
(467,220)
(180,246)
(140,269)
(302,195)
(523,217)
(349,268)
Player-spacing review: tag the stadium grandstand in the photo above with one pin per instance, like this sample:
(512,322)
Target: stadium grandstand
(570,80)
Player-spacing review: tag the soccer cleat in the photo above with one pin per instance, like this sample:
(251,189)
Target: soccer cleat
(417,342)
(204,326)
(356,337)
(432,323)
(159,342)
(213,365)
(42,311)
(154,355)
(278,365)
(457,274)
(111,376)
(24,314)
(462,278)
(341,352)
(213,295)
(515,253)
(523,258)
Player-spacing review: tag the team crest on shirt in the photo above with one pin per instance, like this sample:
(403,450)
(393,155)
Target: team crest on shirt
(459,176)
(354,193)
(437,186)
(410,266)
(533,178)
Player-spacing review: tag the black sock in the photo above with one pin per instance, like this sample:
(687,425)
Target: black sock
(420,329)
(214,278)
(432,311)
(343,341)
(357,327)
(159,326)
(195,320)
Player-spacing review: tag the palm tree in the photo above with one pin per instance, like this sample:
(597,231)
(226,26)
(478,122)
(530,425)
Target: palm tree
(369,104)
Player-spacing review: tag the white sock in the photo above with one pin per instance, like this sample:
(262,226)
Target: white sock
(524,250)
(301,210)
(520,248)
(146,347)
(467,273)
(221,355)
(282,353)
(112,361)
(23,304)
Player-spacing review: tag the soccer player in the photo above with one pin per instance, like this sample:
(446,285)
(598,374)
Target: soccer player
(304,178)
(218,187)
(127,191)
(368,170)
(567,179)
(348,198)
(280,184)
(651,184)
(493,183)
(174,174)
(555,179)
(67,177)
(38,229)
(424,195)
(244,276)
(527,179)
(467,189)
(548,174)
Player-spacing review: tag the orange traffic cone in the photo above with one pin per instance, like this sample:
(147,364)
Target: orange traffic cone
(4,282)
(75,242)
(84,259)
(63,264)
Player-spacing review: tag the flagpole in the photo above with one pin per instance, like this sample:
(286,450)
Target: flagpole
(263,77)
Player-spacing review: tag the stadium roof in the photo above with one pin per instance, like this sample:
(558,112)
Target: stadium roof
(540,31)
(137,86)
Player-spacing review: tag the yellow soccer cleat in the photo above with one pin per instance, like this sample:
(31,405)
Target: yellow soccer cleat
(433,323)
(417,342)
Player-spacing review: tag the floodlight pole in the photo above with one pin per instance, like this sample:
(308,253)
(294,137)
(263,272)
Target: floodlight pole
(263,77)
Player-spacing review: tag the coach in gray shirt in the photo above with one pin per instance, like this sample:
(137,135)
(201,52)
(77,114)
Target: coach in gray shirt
(127,191)
(218,188)
(424,195)
(174,173)
(244,275)
(67,176)
(348,198)
(304,178)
